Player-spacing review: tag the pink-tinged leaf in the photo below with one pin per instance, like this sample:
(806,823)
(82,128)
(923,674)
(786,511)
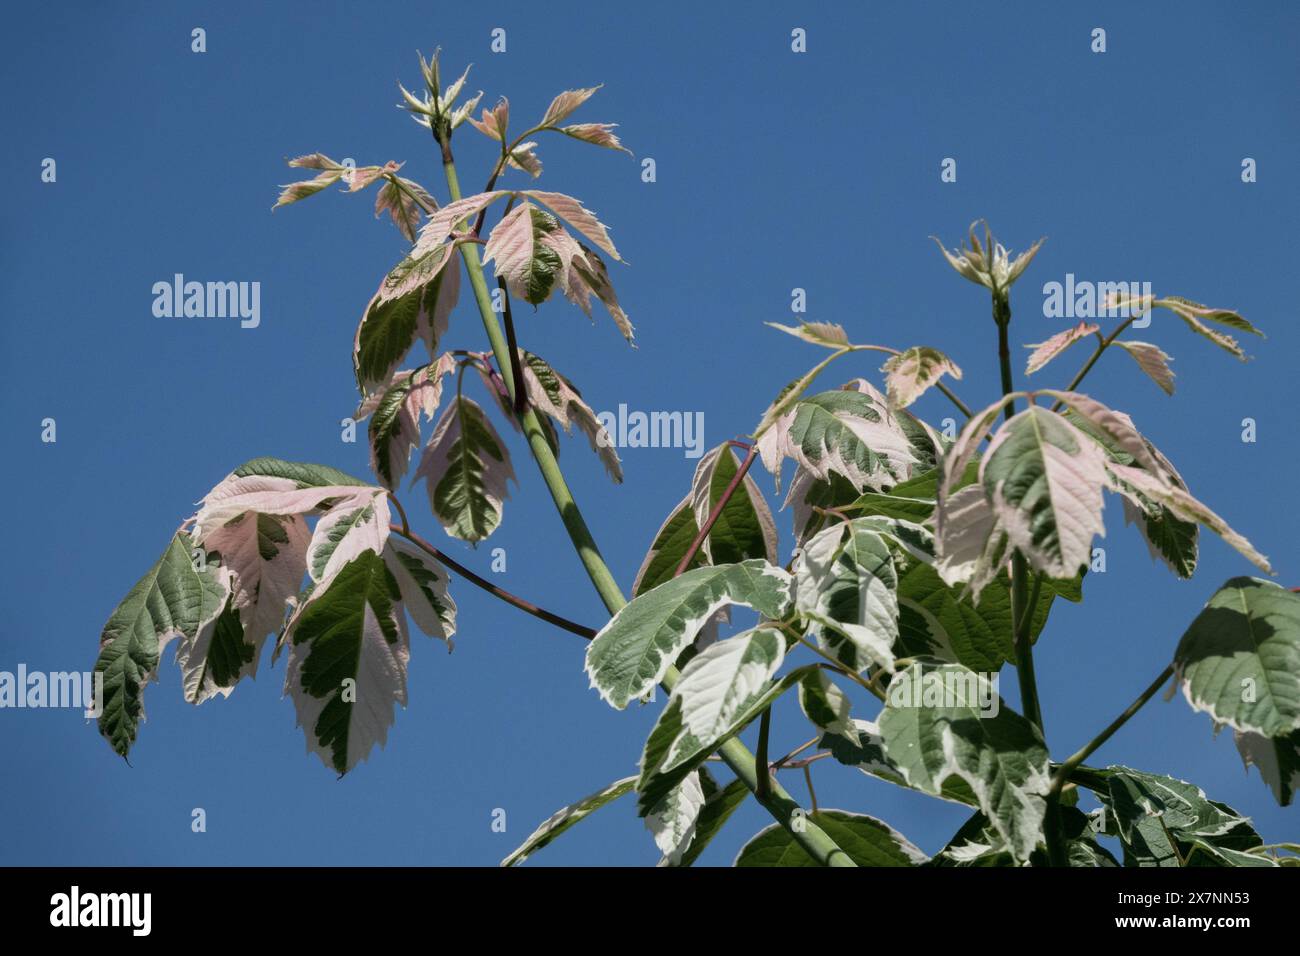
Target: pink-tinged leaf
(394,431)
(314,161)
(826,334)
(1116,430)
(295,192)
(389,328)
(553,395)
(562,106)
(1219,316)
(440,224)
(422,583)
(268,556)
(510,245)
(1191,314)
(592,275)
(494,122)
(467,470)
(598,134)
(524,157)
(963,449)
(1044,352)
(264,494)
(415,271)
(1152,360)
(910,373)
(581,218)
(361,177)
(971,548)
(1044,479)
(404,203)
(356,523)
(1185,507)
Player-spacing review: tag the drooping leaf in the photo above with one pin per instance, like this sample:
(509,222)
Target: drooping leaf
(530,267)
(524,158)
(271,486)
(633,651)
(1276,758)
(351,526)
(389,328)
(909,374)
(348,651)
(866,840)
(394,430)
(1152,360)
(719,805)
(565,818)
(422,585)
(936,725)
(598,134)
(1044,352)
(174,599)
(1239,661)
(668,548)
(572,211)
(405,202)
(554,395)
(466,468)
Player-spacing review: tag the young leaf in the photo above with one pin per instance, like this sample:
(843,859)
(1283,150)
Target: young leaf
(745,528)
(173,599)
(598,134)
(1043,478)
(405,201)
(495,120)
(530,267)
(295,192)
(845,583)
(826,334)
(909,374)
(1044,352)
(1192,314)
(524,158)
(562,106)
(389,328)
(353,525)
(633,651)
(566,817)
(551,393)
(1152,360)
(466,468)
(581,218)
(866,840)
(394,429)
(1001,757)
(348,650)
(440,225)
(1240,659)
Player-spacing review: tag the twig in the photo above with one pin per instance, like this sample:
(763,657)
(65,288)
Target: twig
(716,513)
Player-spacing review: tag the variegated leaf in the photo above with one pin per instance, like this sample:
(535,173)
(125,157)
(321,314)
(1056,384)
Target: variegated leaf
(826,334)
(274,487)
(466,468)
(348,651)
(440,225)
(908,374)
(598,134)
(1043,478)
(389,328)
(394,429)
(405,202)
(865,840)
(566,817)
(1152,360)
(352,525)
(175,599)
(1000,755)
(1044,352)
(633,651)
(422,584)
(1276,758)
(824,704)
(581,218)
(745,528)
(554,395)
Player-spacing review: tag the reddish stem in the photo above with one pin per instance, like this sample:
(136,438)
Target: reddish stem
(716,513)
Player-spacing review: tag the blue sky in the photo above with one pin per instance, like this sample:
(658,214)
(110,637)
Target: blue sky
(774,171)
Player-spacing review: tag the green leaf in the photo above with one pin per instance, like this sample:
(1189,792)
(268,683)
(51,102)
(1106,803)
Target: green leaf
(864,749)
(670,543)
(947,721)
(866,840)
(824,704)
(745,528)
(390,326)
(720,690)
(566,817)
(848,433)
(1278,761)
(1240,660)
(633,651)
(305,474)
(174,599)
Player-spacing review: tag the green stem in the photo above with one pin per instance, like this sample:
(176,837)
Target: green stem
(1102,345)
(760,758)
(1020,607)
(783,808)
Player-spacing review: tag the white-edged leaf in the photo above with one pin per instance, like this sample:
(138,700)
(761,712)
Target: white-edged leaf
(827,334)
(554,395)
(633,651)
(672,821)
(566,817)
(405,202)
(908,374)
(1276,758)
(865,840)
(422,584)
